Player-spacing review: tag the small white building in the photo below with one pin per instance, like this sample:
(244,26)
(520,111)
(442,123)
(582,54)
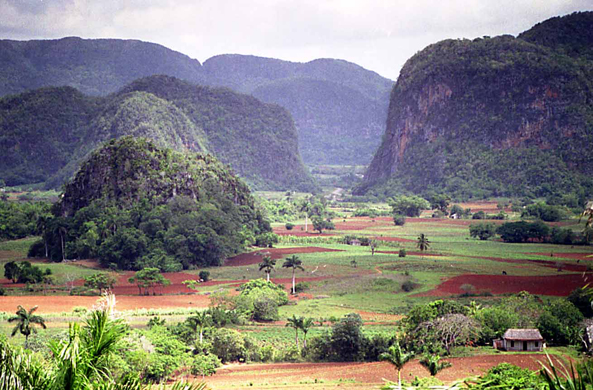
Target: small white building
(520,340)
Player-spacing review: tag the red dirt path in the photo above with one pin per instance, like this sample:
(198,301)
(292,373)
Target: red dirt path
(362,373)
(275,253)
(557,285)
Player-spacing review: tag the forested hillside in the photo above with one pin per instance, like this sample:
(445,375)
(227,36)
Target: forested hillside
(46,133)
(339,108)
(492,117)
(170,210)
(336,105)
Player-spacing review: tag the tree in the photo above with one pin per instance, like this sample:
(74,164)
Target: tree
(267,265)
(100,281)
(198,322)
(295,323)
(305,207)
(448,331)
(306,324)
(398,357)
(410,206)
(433,364)
(440,202)
(295,263)
(423,244)
(347,339)
(26,322)
(588,213)
(374,244)
(483,231)
(320,224)
(149,278)
(12,271)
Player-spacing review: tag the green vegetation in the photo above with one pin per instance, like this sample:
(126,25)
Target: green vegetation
(502,105)
(134,205)
(168,111)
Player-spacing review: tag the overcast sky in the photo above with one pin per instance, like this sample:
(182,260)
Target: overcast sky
(379,35)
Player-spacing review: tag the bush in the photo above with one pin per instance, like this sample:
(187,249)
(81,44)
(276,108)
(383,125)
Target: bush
(2,291)
(402,253)
(265,309)
(399,220)
(228,345)
(204,275)
(289,226)
(266,240)
(205,364)
(483,231)
(301,286)
(408,286)
(479,215)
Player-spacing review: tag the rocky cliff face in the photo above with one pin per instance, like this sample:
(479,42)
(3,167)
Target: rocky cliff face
(490,95)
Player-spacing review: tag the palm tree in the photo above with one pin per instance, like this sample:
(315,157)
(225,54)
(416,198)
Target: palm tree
(295,263)
(306,207)
(295,323)
(25,322)
(423,244)
(199,321)
(433,364)
(398,357)
(42,227)
(267,265)
(306,324)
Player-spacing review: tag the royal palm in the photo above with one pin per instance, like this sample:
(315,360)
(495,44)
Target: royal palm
(295,263)
(26,322)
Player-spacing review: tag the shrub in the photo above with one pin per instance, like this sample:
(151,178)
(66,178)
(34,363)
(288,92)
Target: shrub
(479,215)
(265,309)
(483,231)
(301,286)
(266,240)
(204,275)
(399,220)
(205,364)
(228,345)
(289,226)
(2,291)
(402,253)
(408,286)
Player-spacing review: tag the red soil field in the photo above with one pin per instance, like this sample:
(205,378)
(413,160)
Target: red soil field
(371,374)
(274,253)
(56,304)
(557,285)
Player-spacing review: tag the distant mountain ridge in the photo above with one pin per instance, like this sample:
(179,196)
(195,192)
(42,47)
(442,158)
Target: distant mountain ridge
(320,94)
(45,134)
(498,116)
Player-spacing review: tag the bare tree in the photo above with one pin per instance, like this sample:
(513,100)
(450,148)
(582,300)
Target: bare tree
(451,330)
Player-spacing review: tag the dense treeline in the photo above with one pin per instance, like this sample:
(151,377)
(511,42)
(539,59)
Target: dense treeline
(134,205)
(22,219)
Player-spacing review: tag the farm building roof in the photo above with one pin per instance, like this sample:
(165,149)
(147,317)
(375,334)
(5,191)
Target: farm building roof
(522,334)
